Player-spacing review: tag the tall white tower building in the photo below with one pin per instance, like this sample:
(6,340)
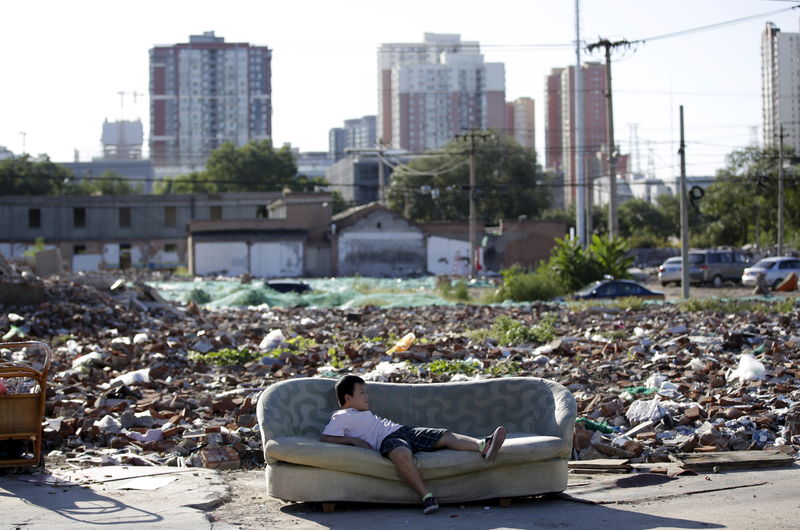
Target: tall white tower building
(428,92)
(780,82)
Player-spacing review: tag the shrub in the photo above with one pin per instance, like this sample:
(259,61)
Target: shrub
(578,266)
(520,286)
(611,256)
(198,296)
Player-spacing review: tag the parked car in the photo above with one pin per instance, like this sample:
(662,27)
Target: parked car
(670,271)
(775,270)
(616,289)
(716,266)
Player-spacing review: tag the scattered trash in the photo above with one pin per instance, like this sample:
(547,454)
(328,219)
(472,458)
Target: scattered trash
(273,340)
(749,369)
(403,344)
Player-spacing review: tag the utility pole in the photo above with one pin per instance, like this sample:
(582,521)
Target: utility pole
(780,193)
(684,219)
(613,222)
(381,184)
(471,136)
(580,174)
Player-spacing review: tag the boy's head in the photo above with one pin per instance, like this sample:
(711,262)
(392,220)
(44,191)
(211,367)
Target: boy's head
(351,392)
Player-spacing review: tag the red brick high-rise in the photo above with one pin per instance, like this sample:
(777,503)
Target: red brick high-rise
(560,141)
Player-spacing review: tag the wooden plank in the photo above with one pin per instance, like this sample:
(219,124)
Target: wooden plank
(732,460)
(598,463)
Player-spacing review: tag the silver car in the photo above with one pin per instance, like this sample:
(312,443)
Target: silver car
(775,270)
(670,271)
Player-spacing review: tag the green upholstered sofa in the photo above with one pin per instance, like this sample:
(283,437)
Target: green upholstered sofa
(538,414)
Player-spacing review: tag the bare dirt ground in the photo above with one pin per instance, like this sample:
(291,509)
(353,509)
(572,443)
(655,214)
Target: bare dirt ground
(737,499)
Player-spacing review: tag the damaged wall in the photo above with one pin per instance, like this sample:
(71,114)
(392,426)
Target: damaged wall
(381,244)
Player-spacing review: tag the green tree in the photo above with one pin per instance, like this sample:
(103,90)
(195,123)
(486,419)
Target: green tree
(109,183)
(637,215)
(741,205)
(24,175)
(436,188)
(256,166)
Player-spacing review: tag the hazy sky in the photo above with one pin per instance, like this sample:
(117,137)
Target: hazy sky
(65,62)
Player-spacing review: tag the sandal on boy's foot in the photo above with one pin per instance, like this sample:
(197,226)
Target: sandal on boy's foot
(491,445)
(429,504)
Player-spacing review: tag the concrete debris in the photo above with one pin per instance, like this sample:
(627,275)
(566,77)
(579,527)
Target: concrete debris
(134,381)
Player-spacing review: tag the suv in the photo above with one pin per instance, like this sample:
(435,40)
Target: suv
(716,266)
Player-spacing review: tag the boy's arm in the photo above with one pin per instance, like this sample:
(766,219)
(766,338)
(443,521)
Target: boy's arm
(345,440)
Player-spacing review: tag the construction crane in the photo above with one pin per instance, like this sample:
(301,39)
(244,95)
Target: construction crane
(122,94)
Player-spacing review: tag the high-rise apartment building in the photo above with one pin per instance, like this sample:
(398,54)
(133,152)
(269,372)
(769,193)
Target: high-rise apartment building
(204,93)
(520,123)
(430,91)
(560,139)
(780,86)
(356,133)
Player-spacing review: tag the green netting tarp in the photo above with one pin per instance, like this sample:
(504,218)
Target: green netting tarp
(326,292)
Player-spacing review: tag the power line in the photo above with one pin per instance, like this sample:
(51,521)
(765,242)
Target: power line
(715,25)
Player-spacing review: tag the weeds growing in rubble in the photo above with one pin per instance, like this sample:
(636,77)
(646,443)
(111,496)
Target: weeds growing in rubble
(458,292)
(225,356)
(630,303)
(504,368)
(448,367)
(509,332)
(233,357)
(785,305)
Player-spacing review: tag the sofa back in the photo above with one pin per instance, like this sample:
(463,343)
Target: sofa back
(302,407)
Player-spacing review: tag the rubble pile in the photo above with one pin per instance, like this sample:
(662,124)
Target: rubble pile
(139,381)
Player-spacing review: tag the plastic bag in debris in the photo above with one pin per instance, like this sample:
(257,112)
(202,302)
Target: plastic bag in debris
(132,378)
(643,410)
(108,425)
(273,340)
(403,344)
(655,380)
(90,359)
(384,369)
(749,369)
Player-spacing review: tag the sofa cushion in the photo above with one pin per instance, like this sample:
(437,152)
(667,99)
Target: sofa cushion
(519,448)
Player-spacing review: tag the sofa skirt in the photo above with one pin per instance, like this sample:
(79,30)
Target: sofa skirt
(299,483)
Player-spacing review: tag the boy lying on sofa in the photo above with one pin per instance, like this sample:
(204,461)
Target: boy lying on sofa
(354,424)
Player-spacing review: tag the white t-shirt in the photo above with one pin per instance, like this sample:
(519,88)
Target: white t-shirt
(360,424)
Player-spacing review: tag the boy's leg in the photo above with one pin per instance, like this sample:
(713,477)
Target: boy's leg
(404,462)
(458,442)
(488,447)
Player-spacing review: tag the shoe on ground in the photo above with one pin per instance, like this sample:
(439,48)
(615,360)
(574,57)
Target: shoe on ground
(429,504)
(491,445)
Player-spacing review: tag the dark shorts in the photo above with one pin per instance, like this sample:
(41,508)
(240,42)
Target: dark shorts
(415,438)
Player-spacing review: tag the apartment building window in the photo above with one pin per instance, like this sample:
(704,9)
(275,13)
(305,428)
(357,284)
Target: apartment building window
(34,218)
(170,216)
(125,217)
(171,247)
(79,217)
(216,213)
